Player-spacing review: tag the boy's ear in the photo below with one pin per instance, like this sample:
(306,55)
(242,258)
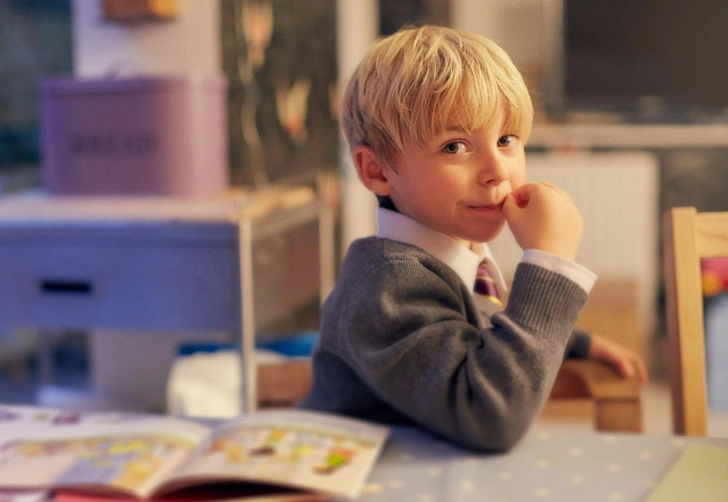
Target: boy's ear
(371,171)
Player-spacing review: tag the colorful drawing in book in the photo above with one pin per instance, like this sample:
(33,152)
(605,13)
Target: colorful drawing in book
(305,446)
(233,451)
(336,458)
(280,453)
(269,445)
(116,461)
(123,462)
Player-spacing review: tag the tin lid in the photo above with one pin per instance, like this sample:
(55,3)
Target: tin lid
(141,83)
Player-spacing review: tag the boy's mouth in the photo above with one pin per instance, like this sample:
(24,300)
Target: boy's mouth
(488,207)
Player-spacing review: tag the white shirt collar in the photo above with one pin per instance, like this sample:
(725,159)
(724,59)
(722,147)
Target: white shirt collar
(464,261)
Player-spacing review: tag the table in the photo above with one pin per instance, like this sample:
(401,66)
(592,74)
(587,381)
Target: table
(224,262)
(551,463)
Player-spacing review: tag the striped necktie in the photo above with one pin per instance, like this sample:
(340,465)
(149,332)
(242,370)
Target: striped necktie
(485,285)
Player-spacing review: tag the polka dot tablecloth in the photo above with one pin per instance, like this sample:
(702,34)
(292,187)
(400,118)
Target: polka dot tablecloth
(549,464)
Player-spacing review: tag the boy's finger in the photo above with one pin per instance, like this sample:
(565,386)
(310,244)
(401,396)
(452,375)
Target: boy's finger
(642,371)
(624,366)
(524,190)
(509,205)
(523,193)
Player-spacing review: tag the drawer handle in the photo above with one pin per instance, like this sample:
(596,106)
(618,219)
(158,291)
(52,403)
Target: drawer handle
(53,286)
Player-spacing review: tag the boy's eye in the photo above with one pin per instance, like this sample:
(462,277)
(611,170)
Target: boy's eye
(454,147)
(507,140)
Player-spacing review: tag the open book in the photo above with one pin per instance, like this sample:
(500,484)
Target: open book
(147,456)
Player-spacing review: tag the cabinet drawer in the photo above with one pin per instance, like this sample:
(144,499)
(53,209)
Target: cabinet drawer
(61,284)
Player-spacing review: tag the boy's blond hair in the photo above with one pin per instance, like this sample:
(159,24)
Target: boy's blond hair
(413,85)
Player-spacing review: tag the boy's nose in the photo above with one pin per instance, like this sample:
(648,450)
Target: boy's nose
(493,172)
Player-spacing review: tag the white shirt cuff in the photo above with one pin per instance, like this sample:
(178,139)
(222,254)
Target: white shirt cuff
(581,275)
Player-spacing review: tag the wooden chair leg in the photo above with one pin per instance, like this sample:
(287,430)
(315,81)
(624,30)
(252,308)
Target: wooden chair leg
(618,415)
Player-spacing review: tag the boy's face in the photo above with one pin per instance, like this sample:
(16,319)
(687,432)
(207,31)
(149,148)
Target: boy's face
(458,181)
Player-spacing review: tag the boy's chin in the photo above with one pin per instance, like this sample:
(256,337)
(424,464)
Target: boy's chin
(487,234)
(480,236)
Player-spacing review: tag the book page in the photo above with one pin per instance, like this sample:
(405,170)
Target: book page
(321,453)
(41,448)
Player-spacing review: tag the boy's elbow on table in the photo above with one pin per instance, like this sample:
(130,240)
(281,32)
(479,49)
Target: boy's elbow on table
(494,435)
(495,441)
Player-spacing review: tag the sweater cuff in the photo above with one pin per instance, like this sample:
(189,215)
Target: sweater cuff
(578,345)
(545,302)
(572,270)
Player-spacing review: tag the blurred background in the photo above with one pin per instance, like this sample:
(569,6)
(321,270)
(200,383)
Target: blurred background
(631,117)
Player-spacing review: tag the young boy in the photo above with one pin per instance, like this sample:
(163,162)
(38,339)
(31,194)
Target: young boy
(437,120)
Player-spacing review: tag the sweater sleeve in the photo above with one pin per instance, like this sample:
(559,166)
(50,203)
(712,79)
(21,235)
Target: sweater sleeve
(421,350)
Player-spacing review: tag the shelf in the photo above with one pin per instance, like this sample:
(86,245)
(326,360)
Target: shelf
(575,135)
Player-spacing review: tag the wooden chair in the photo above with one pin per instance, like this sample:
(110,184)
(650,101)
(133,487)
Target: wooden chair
(617,403)
(688,237)
(617,406)
(283,385)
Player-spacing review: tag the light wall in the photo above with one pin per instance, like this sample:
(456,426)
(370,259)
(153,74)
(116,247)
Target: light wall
(516,25)
(358,26)
(525,29)
(189,43)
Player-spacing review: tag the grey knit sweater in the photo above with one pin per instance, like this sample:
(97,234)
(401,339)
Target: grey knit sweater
(404,341)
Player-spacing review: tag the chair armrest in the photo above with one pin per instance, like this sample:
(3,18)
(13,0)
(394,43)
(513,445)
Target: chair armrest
(585,378)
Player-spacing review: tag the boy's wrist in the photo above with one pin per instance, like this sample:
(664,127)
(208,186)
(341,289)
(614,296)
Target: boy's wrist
(581,275)
(548,302)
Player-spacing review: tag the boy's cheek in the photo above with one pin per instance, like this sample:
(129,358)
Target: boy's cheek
(517,170)
(517,181)
(518,175)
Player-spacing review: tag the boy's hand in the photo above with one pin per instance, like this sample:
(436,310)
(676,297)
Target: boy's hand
(624,360)
(542,216)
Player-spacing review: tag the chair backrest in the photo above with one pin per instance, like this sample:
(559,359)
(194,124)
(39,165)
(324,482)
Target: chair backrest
(688,237)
